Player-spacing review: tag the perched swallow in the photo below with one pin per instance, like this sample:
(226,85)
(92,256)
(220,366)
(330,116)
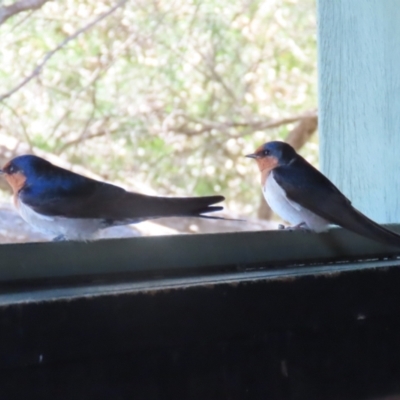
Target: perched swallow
(72,207)
(303,196)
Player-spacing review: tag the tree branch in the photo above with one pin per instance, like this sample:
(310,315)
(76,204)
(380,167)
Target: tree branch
(18,7)
(207,125)
(38,69)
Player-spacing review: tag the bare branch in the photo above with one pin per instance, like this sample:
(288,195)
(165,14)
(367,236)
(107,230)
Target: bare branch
(209,61)
(302,132)
(81,139)
(207,125)
(38,69)
(83,135)
(18,7)
(22,123)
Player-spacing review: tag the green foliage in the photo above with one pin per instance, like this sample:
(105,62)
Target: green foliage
(153,90)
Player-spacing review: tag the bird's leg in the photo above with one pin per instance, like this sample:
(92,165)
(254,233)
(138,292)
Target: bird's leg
(301,225)
(59,238)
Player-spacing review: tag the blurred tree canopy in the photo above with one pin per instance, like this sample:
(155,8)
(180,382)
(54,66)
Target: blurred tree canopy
(172,93)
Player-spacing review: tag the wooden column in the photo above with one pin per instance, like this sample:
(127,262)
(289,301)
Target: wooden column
(359,102)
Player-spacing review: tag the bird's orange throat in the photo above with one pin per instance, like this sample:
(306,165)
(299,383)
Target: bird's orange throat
(266,165)
(16,181)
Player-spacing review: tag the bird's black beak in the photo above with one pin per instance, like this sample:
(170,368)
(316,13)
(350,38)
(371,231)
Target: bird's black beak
(254,155)
(1,172)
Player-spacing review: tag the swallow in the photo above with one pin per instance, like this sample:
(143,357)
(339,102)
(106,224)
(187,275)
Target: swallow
(304,197)
(73,207)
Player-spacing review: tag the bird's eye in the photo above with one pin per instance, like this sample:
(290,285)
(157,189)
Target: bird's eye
(11,169)
(266,152)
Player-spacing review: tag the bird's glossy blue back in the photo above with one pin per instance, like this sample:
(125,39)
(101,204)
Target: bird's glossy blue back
(42,177)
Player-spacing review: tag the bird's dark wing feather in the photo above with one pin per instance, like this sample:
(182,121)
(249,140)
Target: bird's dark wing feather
(70,195)
(309,188)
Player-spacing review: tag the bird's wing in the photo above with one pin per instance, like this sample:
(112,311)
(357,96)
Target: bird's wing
(73,196)
(308,187)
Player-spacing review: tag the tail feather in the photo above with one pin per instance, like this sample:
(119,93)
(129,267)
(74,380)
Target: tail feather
(188,206)
(359,223)
(221,218)
(148,207)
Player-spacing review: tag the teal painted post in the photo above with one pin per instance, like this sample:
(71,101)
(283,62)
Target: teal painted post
(359,102)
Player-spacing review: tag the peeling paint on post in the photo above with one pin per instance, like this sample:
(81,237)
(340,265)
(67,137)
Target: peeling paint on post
(359,102)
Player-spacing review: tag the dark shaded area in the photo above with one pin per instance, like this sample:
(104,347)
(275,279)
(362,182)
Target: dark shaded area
(325,337)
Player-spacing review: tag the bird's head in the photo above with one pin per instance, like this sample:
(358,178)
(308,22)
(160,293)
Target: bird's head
(23,170)
(273,154)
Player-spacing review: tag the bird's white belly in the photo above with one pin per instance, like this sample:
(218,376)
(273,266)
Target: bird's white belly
(289,210)
(70,228)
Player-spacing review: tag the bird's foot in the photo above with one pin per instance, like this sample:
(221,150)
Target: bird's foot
(59,238)
(301,226)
